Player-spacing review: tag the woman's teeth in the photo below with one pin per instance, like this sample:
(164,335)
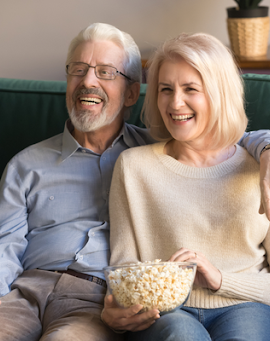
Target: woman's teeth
(182,117)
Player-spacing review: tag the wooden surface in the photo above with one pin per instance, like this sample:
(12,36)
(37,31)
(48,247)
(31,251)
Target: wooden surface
(262,62)
(247,64)
(144,61)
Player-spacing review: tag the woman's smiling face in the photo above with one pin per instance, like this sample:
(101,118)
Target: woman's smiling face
(182,101)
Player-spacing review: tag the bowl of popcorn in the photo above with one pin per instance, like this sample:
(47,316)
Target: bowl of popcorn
(153,284)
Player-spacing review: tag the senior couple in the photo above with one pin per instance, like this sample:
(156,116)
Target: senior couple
(192,196)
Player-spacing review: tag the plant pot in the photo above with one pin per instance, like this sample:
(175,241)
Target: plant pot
(248,32)
(258,12)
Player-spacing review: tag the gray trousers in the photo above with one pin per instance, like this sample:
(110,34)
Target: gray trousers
(49,306)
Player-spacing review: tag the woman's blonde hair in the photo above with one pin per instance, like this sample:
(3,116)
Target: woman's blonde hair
(221,80)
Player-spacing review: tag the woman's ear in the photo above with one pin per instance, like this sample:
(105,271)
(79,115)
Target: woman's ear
(132,94)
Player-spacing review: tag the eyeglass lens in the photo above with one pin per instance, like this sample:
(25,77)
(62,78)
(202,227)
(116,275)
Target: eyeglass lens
(101,71)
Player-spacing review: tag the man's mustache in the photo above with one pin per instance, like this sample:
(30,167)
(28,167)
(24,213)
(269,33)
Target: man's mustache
(92,91)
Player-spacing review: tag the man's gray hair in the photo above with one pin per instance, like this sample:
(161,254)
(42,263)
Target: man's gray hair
(99,31)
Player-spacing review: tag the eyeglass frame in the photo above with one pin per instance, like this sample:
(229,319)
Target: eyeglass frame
(94,67)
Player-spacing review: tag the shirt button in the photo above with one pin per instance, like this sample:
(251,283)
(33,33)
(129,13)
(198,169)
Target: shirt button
(92,233)
(83,151)
(104,158)
(51,197)
(80,258)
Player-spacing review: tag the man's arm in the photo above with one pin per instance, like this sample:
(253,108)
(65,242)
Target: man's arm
(13,228)
(254,142)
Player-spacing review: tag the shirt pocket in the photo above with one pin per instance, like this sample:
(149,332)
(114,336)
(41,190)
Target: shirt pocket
(50,208)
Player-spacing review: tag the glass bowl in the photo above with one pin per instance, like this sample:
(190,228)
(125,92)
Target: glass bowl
(161,285)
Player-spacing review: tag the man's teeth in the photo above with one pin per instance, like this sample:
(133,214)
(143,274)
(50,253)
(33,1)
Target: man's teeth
(90,100)
(182,117)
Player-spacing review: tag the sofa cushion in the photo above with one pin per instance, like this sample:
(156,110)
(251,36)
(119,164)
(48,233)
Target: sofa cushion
(257,96)
(30,111)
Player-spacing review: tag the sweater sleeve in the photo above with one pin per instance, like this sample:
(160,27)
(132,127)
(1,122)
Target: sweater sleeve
(122,240)
(248,286)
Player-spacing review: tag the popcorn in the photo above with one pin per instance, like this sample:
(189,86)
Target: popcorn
(164,286)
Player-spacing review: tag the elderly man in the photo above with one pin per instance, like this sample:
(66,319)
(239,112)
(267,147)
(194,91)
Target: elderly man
(54,224)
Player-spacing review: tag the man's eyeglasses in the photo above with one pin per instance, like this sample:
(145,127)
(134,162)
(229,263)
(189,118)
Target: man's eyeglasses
(101,71)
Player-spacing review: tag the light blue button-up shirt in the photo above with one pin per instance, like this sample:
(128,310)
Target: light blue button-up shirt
(54,204)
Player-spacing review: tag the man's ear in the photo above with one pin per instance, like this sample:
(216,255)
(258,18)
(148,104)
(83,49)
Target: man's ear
(132,94)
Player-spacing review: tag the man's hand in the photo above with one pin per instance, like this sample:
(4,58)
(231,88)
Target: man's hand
(265,183)
(127,318)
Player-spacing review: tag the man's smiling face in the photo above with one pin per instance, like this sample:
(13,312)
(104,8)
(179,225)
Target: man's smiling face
(92,102)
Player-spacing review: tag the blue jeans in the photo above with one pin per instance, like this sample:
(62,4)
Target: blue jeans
(241,322)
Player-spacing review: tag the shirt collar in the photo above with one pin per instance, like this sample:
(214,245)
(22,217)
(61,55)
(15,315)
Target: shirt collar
(129,136)
(70,145)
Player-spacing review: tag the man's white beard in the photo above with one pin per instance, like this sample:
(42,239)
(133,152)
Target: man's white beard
(84,121)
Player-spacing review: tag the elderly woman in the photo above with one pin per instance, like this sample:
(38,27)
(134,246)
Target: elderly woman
(195,195)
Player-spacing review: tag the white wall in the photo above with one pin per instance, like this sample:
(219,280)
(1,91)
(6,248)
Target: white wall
(35,34)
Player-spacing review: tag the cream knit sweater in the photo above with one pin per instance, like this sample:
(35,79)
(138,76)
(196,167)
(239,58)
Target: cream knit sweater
(158,205)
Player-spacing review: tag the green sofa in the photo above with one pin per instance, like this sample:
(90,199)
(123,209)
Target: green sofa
(31,111)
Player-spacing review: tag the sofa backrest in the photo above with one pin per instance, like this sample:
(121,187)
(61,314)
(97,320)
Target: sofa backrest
(31,111)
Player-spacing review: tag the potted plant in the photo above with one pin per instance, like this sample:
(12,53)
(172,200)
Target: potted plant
(248,27)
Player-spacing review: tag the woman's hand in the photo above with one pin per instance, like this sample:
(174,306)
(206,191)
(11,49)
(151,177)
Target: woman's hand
(207,275)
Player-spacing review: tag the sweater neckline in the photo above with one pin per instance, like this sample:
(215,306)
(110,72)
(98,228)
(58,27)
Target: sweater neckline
(216,171)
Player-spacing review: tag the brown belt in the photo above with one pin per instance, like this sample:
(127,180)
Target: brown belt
(90,278)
